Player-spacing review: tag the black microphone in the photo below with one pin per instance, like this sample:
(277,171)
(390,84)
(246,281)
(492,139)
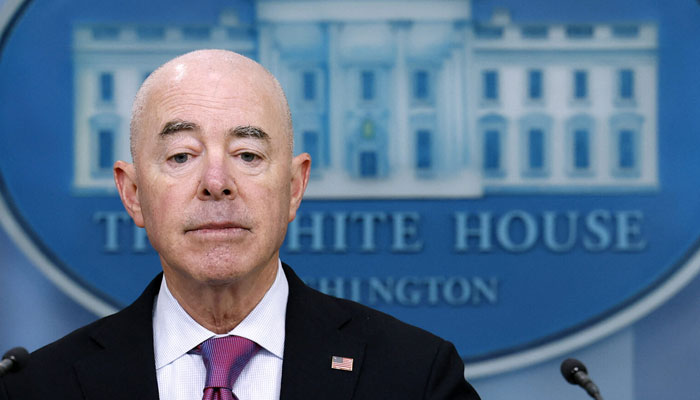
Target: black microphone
(575,373)
(14,360)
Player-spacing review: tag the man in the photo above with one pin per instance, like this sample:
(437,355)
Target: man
(215,184)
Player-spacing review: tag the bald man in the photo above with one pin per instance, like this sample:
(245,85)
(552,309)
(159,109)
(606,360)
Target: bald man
(214,182)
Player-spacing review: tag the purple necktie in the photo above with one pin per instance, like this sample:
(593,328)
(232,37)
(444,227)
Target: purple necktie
(224,358)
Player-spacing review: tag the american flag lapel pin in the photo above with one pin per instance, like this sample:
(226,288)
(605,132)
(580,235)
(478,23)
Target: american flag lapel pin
(341,363)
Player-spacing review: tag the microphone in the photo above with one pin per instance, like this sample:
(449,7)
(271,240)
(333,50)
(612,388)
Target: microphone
(14,360)
(575,373)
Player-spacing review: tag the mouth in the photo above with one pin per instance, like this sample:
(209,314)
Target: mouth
(217,228)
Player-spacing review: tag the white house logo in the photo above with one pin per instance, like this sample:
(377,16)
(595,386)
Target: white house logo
(470,171)
(408,100)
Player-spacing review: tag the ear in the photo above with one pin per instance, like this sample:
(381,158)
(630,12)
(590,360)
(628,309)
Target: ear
(127,185)
(301,168)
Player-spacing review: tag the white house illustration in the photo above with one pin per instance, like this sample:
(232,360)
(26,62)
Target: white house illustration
(411,99)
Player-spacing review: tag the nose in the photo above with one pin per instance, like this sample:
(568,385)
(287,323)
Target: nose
(216,183)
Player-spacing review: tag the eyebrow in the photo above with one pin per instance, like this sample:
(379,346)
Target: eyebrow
(249,131)
(172,127)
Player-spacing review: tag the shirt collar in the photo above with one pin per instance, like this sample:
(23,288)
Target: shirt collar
(175,332)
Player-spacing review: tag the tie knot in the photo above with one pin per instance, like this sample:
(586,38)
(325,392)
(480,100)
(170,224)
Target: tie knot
(224,358)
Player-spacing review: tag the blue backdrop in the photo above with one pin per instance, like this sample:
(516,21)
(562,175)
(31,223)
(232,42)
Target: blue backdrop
(648,359)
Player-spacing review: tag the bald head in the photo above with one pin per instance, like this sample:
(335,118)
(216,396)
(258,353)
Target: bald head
(206,67)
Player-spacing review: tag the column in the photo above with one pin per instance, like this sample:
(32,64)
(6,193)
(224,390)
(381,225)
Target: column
(400,138)
(334,99)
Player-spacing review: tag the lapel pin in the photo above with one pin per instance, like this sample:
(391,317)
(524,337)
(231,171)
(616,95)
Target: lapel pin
(341,363)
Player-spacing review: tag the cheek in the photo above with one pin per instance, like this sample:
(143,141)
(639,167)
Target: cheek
(271,201)
(160,205)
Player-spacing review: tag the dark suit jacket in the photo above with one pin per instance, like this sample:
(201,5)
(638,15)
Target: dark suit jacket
(112,358)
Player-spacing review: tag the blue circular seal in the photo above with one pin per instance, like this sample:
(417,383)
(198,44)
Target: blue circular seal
(517,186)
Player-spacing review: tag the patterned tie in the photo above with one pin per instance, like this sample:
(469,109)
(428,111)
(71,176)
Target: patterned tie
(224,358)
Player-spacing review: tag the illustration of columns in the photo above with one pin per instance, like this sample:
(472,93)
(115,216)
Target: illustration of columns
(449,116)
(461,130)
(401,155)
(334,98)
(472,151)
(265,47)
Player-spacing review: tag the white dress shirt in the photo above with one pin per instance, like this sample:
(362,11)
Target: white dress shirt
(181,376)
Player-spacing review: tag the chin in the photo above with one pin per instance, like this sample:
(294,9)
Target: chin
(217,265)
(223,268)
(220,272)
(219,280)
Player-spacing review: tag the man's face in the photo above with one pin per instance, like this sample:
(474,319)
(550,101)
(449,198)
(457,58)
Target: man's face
(215,181)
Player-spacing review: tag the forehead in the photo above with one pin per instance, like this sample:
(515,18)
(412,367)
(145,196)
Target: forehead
(215,95)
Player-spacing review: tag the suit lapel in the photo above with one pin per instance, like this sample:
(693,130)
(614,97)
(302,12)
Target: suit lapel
(313,335)
(124,366)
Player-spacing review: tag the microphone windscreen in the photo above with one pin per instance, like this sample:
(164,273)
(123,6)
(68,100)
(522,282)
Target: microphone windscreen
(570,367)
(19,357)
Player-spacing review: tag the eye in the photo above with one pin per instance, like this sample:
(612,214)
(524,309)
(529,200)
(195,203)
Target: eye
(248,157)
(180,158)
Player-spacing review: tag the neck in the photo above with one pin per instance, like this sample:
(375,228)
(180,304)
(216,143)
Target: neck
(220,307)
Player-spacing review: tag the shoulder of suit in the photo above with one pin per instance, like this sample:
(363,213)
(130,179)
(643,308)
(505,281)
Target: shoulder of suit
(375,323)
(82,341)
(355,318)
(71,347)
